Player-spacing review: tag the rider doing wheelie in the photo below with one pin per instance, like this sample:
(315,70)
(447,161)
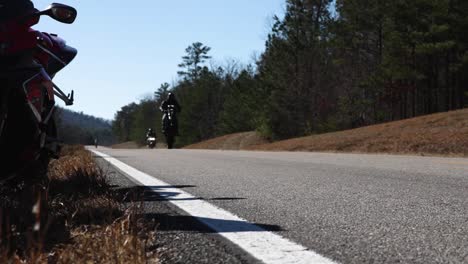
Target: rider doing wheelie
(170,126)
(171,101)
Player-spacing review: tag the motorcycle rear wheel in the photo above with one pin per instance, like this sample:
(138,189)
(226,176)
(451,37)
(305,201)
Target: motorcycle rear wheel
(170,141)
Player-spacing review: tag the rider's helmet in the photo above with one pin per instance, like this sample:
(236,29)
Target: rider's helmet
(170,96)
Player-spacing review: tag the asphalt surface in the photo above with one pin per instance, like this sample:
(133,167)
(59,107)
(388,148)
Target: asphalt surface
(347,207)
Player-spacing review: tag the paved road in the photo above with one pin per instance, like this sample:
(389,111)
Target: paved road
(350,208)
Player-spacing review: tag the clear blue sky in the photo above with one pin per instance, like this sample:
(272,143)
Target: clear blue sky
(128,48)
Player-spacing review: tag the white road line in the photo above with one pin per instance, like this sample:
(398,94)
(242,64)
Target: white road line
(265,246)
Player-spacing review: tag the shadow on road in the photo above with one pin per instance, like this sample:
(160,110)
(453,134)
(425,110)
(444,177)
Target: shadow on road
(175,222)
(156,193)
(168,222)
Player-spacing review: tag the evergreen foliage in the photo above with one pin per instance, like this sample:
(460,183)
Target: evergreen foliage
(79,128)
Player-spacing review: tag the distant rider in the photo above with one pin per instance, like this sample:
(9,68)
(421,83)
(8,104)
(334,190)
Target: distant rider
(171,100)
(150,133)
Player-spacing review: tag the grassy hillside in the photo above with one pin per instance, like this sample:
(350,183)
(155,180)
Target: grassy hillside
(437,134)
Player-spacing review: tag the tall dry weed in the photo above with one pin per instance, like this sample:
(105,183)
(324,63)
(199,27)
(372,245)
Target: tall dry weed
(76,173)
(78,220)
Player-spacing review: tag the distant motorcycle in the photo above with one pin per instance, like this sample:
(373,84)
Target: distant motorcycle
(151,142)
(29,60)
(170,125)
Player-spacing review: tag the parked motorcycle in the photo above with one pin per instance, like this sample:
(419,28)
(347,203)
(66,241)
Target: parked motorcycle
(170,125)
(151,142)
(29,59)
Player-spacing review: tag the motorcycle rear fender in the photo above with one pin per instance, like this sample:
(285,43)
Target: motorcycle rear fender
(36,89)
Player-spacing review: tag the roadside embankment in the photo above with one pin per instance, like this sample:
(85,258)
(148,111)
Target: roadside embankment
(442,134)
(126,145)
(238,141)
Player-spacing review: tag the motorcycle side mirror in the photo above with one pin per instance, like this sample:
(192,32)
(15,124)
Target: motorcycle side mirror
(60,12)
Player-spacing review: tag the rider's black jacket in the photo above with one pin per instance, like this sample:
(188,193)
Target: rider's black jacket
(13,8)
(150,134)
(174,102)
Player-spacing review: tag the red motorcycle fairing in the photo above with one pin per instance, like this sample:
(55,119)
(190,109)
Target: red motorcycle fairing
(16,36)
(37,89)
(43,42)
(53,52)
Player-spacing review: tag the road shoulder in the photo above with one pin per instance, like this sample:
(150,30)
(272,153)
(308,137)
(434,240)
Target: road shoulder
(181,239)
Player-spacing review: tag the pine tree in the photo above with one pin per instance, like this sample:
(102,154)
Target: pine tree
(197,54)
(295,70)
(162,93)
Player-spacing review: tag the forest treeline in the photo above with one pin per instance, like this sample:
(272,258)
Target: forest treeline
(327,66)
(79,128)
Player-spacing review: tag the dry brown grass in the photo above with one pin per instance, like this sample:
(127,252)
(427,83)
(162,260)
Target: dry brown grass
(120,242)
(443,134)
(439,134)
(76,173)
(83,222)
(238,141)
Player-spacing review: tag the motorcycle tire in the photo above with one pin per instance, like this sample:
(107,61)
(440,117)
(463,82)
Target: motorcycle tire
(46,155)
(170,141)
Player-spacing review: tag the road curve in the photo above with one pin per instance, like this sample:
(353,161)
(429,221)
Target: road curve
(347,207)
